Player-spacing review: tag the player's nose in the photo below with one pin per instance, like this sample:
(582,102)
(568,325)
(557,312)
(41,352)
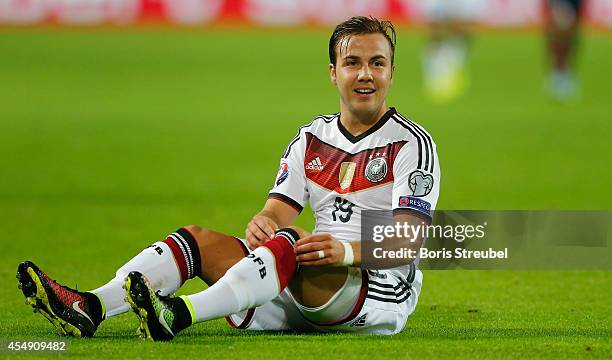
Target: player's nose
(365,74)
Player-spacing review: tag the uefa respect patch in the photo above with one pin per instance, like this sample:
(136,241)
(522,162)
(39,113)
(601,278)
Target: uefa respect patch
(408,202)
(283,173)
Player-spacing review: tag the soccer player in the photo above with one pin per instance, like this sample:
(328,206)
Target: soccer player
(562,25)
(280,277)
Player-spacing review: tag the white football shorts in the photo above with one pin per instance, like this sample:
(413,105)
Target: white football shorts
(370,302)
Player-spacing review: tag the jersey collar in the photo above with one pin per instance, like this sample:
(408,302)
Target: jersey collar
(354,139)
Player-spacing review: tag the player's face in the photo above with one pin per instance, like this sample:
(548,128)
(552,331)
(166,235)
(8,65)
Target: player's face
(363,73)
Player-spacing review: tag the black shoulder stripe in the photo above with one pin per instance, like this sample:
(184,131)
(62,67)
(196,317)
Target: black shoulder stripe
(326,118)
(422,137)
(429,140)
(420,159)
(294,140)
(427,137)
(288,149)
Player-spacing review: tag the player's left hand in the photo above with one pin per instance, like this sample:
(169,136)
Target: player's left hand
(319,250)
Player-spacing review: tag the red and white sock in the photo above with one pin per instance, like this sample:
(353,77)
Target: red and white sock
(167,264)
(251,282)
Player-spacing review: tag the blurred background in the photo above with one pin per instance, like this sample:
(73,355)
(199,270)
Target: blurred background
(136,115)
(189,103)
(121,120)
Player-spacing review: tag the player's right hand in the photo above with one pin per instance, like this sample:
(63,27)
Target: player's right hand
(259,230)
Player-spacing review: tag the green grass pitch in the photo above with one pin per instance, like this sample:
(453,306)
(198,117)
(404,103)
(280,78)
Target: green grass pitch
(111,139)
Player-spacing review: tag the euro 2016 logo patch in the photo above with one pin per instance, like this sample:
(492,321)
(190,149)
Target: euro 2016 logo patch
(414,203)
(376,170)
(283,173)
(420,184)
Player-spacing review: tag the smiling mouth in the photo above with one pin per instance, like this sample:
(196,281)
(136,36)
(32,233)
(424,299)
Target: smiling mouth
(365,91)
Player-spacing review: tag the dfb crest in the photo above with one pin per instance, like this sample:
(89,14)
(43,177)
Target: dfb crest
(376,170)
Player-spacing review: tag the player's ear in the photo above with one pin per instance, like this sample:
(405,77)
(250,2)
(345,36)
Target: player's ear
(332,73)
(392,71)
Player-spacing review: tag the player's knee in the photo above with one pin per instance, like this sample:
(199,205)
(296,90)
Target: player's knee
(199,233)
(194,229)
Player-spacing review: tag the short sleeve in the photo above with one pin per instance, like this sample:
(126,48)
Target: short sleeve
(290,184)
(416,184)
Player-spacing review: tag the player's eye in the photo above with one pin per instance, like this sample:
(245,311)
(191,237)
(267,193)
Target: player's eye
(351,61)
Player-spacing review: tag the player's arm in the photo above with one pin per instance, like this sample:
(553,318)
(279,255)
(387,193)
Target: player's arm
(337,254)
(286,199)
(274,215)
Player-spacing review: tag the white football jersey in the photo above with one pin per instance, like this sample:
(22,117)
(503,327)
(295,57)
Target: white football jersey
(392,166)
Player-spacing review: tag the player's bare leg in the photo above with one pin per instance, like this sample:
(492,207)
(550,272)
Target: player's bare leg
(313,287)
(218,252)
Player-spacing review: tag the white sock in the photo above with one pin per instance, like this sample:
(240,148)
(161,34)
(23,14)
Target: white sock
(251,282)
(156,262)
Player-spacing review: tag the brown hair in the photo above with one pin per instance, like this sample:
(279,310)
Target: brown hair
(360,25)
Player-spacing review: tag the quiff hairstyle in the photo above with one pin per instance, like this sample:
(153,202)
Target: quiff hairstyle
(361,25)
